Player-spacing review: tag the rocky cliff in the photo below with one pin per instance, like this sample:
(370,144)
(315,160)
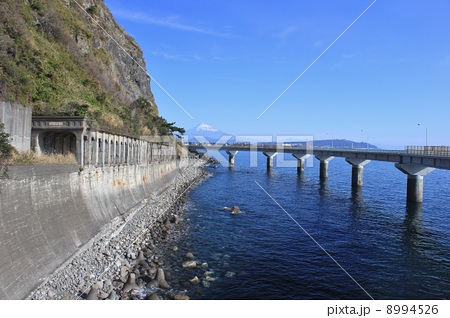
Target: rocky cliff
(66,57)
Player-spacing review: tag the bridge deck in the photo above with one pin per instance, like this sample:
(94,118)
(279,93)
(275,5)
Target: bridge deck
(396,156)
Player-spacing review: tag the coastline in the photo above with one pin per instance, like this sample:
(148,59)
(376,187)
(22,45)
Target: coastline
(129,262)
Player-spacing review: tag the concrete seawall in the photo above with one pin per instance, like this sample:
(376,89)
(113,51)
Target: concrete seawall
(49,213)
(17,121)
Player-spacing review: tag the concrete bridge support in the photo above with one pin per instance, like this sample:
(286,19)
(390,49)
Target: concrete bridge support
(300,163)
(324,161)
(231,154)
(270,156)
(414,190)
(357,170)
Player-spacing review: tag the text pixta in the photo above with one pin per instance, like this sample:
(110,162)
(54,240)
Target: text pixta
(348,310)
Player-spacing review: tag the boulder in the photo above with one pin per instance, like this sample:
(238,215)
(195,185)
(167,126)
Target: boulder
(235,209)
(93,293)
(189,255)
(189,264)
(195,280)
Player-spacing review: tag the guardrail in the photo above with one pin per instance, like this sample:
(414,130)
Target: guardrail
(435,151)
(432,151)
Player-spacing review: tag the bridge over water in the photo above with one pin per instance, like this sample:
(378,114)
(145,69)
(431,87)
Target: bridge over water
(415,162)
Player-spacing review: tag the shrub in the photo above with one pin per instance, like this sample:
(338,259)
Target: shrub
(92,10)
(36,5)
(6,152)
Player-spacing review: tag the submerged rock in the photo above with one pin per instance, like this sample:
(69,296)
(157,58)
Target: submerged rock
(235,209)
(230,274)
(195,280)
(189,255)
(190,264)
(206,284)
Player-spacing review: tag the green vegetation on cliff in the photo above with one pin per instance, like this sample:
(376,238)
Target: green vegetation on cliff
(57,60)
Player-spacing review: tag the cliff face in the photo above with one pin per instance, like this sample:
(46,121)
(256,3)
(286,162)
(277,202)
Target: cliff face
(59,57)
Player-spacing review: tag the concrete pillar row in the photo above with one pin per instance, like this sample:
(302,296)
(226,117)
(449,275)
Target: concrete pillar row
(270,156)
(301,162)
(126,147)
(112,154)
(131,151)
(108,152)
(121,147)
(324,161)
(231,154)
(137,158)
(126,155)
(134,149)
(89,152)
(141,152)
(80,148)
(137,152)
(102,149)
(357,170)
(414,187)
(96,148)
(35,143)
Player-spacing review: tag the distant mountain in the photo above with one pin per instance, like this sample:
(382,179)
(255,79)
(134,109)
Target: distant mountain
(206,132)
(337,143)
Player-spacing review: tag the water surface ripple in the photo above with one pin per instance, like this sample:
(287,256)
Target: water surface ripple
(393,250)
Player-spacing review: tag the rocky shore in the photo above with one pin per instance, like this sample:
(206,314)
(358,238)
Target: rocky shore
(131,261)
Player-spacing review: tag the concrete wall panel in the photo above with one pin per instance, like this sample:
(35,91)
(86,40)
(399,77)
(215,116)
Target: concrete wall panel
(17,121)
(48,213)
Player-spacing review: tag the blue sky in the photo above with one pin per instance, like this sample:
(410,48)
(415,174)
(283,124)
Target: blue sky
(225,62)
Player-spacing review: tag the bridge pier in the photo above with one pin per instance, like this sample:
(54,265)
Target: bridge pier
(324,161)
(357,170)
(270,156)
(414,189)
(300,162)
(231,154)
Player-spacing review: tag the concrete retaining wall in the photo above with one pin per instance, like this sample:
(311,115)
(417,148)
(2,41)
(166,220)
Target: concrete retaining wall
(17,120)
(48,213)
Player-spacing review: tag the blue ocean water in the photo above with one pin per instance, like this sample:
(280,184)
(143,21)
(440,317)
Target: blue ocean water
(391,249)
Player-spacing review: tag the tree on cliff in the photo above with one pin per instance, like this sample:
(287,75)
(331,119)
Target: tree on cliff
(6,151)
(166,128)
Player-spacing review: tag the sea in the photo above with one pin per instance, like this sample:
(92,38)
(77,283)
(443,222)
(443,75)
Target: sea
(299,238)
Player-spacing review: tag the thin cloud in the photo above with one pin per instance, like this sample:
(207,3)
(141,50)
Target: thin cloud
(286,32)
(171,22)
(176,57)
(169,56)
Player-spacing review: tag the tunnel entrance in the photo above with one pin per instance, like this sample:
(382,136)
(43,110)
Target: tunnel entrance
(63,143)
(59,135)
